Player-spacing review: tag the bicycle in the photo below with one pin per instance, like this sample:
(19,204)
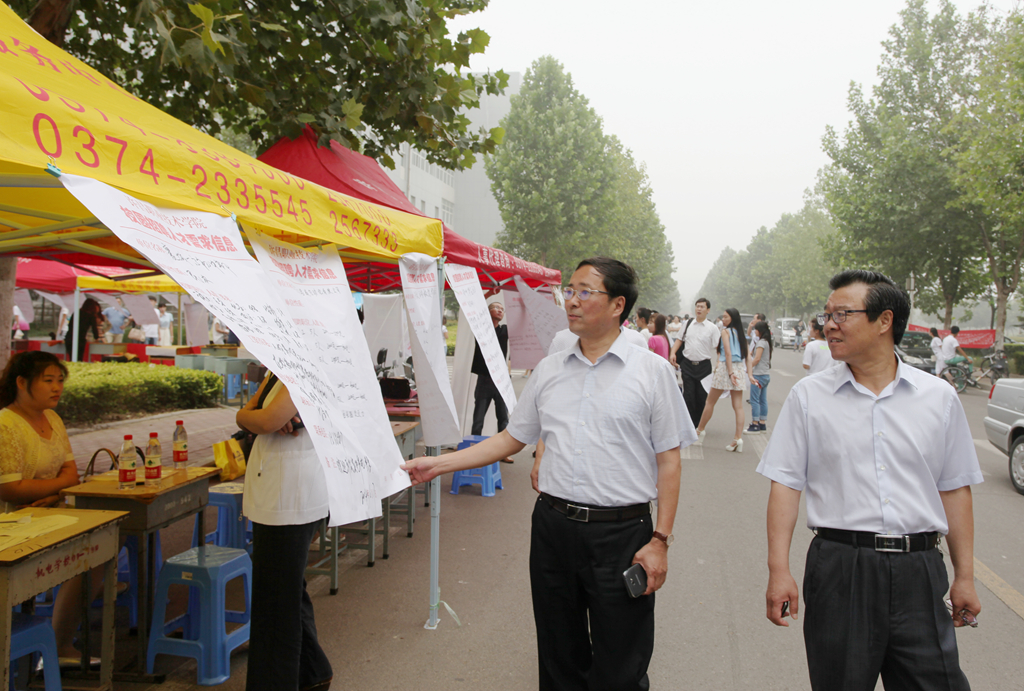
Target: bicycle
(962,373)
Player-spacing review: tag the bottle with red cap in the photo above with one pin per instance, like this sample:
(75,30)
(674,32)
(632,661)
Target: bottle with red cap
(126,463)
(153,461)
(180,446)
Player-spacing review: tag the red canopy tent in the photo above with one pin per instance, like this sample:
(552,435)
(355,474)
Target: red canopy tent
(54,277)
(359,176)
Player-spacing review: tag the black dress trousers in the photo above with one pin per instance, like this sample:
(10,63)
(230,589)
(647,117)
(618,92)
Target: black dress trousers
(694,395)
(591,636)
(868,613)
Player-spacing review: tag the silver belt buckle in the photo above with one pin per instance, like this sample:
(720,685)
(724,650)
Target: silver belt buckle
(892,543)
(577,513)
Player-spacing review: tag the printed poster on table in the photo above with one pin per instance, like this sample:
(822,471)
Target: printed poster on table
(524,350)
(204,253)
(547,317)
(318,299)
(423,305)
(466,285)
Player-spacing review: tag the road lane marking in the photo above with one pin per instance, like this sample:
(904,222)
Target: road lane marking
(776,370)
(1000,588)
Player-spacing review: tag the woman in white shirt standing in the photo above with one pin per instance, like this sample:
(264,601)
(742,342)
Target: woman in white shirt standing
(936,346)
(286,499)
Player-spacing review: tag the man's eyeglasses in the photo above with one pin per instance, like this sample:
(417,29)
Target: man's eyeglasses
(839,316)
(584,294)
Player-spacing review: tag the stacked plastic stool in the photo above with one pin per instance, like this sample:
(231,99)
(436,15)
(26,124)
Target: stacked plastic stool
(232,527)
(31,634)
(208,570)
(488,477)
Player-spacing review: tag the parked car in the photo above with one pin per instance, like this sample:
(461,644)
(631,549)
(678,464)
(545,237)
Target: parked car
(1004,425)
(918,343)
(784,333)
(915,361)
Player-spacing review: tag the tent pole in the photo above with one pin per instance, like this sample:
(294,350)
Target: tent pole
(435,501)
(77,314)
(180,320)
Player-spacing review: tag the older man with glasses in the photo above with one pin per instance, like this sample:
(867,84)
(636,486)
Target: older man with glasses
(613,421)
(887,459)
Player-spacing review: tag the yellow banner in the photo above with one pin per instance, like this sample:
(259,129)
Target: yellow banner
(149,284)
(54,105)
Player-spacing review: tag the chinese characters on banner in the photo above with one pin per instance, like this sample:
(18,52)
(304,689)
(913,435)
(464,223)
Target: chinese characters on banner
(547,317)
(422,302)
(204,253)
(524,350)
(466,286)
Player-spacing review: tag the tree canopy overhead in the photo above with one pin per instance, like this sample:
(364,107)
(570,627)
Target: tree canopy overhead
(370,75)
(566,190)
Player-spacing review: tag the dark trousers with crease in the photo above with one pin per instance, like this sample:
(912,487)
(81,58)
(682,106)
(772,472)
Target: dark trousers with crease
(284,654)
(694,395)
(591,636)
(484,393)
(869,613)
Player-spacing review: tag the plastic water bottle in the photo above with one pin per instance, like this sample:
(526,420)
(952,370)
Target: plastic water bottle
(180,446)
(153,461)
(126,463)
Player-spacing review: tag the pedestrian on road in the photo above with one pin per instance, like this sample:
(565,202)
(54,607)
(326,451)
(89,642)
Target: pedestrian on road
(732,375)
(948,351)
(643,322)
(658,344)
(761,362)
(692,353)
(887,459)
(817,356)
(613,422)
(799,329)
(936,346)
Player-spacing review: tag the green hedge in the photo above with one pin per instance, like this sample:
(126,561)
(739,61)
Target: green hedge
(1015,354)
(99,392)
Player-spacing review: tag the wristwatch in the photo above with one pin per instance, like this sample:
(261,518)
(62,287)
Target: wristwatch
(667,539)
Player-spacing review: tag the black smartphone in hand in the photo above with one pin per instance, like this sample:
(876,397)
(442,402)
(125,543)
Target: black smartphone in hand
(636,580)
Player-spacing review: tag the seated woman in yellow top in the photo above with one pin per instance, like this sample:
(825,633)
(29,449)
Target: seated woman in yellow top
(36,462)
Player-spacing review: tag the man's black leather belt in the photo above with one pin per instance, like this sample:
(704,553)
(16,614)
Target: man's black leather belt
(918,542)
(585,513)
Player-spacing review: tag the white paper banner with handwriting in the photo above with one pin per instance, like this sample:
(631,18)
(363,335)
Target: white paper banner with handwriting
(319,301)
(524,350)
(547,317)
(422,302)
(204,253)
(466,285)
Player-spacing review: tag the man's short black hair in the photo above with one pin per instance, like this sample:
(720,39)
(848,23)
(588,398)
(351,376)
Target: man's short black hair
(883,294)
(954,330)
(704,300)
(760,317)
(619,278)
(642,313)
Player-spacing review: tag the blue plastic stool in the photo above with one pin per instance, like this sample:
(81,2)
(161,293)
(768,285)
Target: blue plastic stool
(30,634)
(208,570)
(488,477)
(232,527)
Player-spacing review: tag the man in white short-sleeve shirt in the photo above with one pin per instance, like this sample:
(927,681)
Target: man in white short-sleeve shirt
(698,341)
(886,457)
(950,347)
(613,421)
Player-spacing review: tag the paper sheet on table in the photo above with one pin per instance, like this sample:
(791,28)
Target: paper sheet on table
(205,255)
(434,389)
(12,534)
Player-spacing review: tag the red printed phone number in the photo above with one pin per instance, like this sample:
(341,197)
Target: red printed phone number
(48,139)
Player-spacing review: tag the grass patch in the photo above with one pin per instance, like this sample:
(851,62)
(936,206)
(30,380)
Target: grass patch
(105,391)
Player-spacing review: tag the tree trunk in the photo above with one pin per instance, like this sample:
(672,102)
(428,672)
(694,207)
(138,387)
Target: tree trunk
(8,271)
(51,18)
(947,320)
(1003,293)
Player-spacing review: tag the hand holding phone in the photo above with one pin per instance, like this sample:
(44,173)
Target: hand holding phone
(635,578)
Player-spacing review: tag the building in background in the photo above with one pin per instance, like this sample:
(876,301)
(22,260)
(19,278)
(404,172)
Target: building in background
(461,199)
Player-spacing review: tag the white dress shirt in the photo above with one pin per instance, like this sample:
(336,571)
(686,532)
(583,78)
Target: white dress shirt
(818,357)
(602,423)
(873,463)
(701,341)
(284,481)
(565,339)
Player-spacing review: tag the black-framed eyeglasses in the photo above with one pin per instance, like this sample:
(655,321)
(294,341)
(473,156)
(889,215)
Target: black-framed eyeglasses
(839,316)
(583,294)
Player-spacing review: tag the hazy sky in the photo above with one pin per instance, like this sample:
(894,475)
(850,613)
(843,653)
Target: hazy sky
(725,102)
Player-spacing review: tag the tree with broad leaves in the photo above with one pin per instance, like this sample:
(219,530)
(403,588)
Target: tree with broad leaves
(370,75)
(567,191)
(891,189)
